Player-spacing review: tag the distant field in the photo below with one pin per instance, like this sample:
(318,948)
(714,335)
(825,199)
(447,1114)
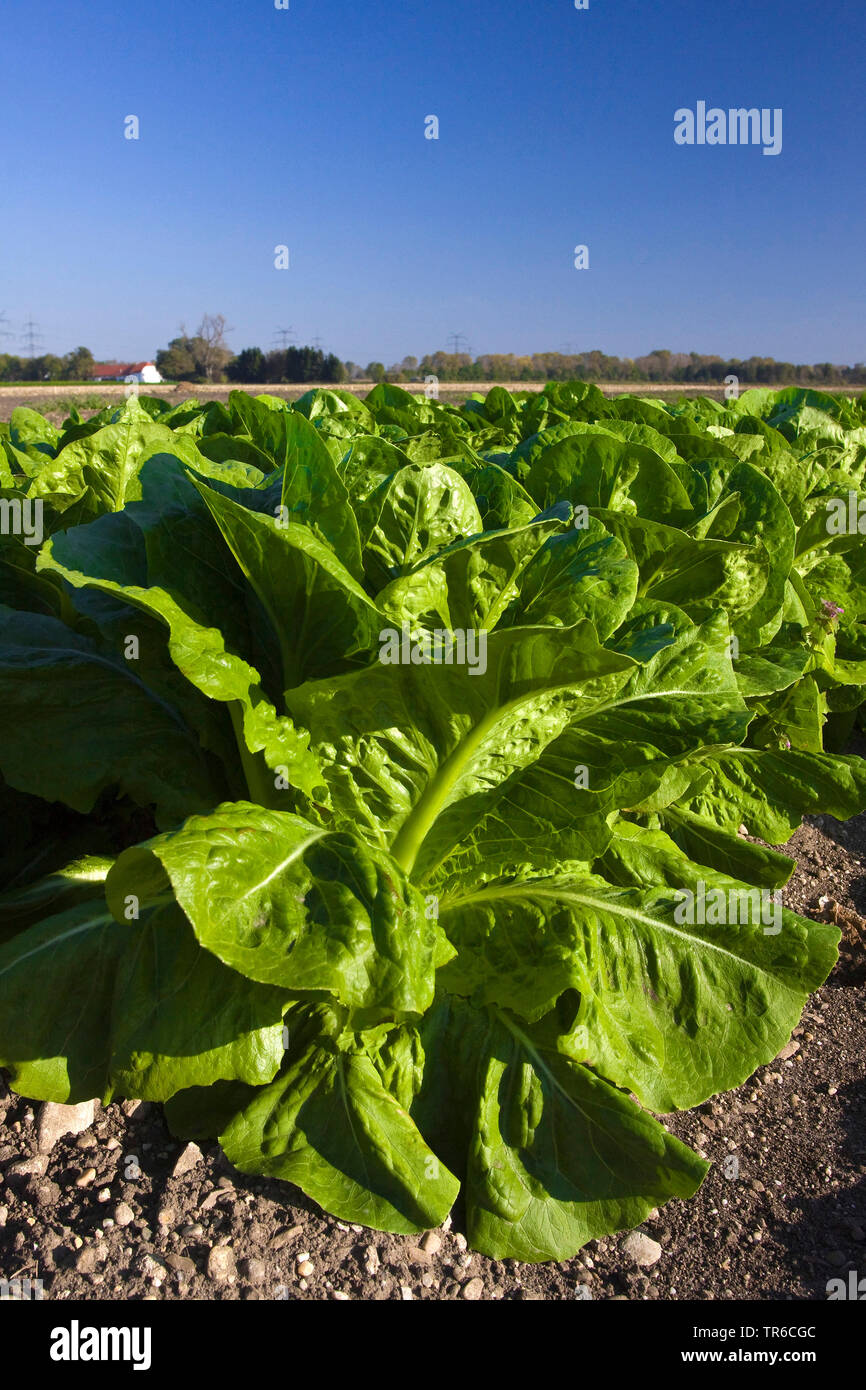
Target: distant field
(55,401)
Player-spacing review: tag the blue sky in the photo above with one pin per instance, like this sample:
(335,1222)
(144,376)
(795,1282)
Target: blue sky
(305,127)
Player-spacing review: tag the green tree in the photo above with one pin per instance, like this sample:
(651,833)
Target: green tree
(78,365)
(177,361)
(333,370)
(11,368)
(249,365)
(46,368)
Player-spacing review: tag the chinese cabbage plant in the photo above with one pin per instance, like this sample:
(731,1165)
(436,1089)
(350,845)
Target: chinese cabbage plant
(397,929)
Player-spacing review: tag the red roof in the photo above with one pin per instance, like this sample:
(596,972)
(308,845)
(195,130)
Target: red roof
(118,368)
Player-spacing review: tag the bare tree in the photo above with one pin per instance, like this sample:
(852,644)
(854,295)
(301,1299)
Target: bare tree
(215,353)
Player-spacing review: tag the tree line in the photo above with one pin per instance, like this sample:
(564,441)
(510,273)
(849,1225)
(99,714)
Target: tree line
(204,356)
(74,366)
(660,365)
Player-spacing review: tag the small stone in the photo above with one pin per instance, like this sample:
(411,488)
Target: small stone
(4,1213)
(87,1259)
(187,1159)
(56,1120)
(282,1238)
(131,1107)
(371,1259)
(112,1144)
(832,1090)
(46,1193)
(460,1241)
(190,1232)
(427,1279)
(641,1249)
(86,1141)
(416,1256)
(153,1267)
(220,1264)
(36,1166)
(305,1268)
(123,1214)
(254,1271)
(788,1050)
(406,1293)
(86,1178)
(104,1194)
(756,1185)
(473,1290)
(181,1264)
(166,1216)
(430,1243)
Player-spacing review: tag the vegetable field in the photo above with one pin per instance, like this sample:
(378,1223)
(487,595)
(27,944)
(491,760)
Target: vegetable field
(374,777)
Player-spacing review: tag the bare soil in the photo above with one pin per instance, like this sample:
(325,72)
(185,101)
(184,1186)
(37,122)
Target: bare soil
(52,399)
(788,1216)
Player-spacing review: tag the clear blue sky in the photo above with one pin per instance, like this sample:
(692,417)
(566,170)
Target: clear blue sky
(306,127)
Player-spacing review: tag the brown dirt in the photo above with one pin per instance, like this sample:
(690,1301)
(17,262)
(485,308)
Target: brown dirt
(792,1218)
(45,398)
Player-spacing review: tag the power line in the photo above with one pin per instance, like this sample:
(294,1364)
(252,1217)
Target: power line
(457,339)
(285,336)
(317,343)
(4,332)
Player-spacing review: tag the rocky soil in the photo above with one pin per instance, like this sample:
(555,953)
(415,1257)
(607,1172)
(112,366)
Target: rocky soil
(117,1209)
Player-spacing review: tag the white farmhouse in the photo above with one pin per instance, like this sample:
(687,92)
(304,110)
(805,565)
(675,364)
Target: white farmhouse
(143,372)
